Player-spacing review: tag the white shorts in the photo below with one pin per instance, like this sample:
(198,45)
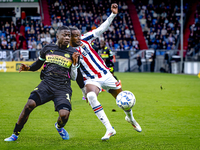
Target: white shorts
(106,82)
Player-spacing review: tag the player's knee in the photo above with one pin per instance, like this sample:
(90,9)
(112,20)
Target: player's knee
(35,97)
(30,105)
(64,114)
(115,92)
(92,97)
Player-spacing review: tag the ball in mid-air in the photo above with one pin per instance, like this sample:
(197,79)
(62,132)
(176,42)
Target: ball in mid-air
(125,100)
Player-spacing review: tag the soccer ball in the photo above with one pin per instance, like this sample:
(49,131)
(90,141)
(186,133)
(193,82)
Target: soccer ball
(125,100)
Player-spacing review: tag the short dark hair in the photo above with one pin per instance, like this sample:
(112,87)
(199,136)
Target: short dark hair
(73,28)
(62,28)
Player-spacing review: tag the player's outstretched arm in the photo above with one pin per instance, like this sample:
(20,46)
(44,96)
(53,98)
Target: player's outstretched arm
(79,79)
(35,66)
(104,26)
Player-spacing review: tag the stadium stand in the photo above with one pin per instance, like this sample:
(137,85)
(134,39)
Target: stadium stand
(136,24)
(160,22)
(14,35)
(9,34)
(193,47)
(140,28)
(159,25)
(47,19)
(120,35)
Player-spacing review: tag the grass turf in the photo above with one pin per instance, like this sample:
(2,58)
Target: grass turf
(169,117)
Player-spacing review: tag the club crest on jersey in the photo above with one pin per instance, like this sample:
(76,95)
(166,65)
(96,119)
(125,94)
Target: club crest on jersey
(67,55)
(84,53)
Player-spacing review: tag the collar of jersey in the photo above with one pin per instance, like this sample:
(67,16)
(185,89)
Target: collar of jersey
(67,45)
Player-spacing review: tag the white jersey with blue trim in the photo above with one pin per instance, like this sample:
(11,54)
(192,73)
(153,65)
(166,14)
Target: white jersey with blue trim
(91,64)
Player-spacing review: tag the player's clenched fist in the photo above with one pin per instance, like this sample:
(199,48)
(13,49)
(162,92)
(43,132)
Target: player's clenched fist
(114,8)
(24,67)
(75,57)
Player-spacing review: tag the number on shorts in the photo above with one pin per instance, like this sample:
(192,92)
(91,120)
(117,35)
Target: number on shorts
(67,97)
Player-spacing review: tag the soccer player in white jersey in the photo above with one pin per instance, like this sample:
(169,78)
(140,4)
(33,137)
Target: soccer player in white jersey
(96,75)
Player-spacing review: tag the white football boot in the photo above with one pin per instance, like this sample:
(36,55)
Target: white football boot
(108,134)
(134,124)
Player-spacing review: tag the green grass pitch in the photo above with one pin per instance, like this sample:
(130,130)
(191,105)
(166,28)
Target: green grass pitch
(170,118)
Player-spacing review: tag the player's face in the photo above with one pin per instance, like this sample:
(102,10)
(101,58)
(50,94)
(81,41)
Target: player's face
(76,38)
(64,37)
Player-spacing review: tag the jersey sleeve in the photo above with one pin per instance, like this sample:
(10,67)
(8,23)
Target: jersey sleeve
(104,26)
(79,79)
(89,36)
(74,72)
(36,65)
(42,56)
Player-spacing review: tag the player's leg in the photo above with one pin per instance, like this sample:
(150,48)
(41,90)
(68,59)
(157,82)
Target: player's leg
(92,92)
(38,97)
(23,117)
(129,114)
(84,95)
(112,72)
(114,88)
(62,103)
(63,117)
(80,82)
(61,122)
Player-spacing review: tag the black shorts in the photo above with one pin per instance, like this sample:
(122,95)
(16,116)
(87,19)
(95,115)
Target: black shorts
(110,65)
(112,69)
(61,95)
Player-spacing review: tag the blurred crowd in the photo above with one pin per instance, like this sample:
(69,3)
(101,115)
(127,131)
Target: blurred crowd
(160,22)
(12,37)
(88,15)
(194,38)
(9,33)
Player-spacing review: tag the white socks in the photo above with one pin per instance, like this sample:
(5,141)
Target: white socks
(129,114)
(98,109)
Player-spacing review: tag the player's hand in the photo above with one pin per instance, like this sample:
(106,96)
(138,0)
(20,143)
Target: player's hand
(75,57)
(24,67)
(114,8)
